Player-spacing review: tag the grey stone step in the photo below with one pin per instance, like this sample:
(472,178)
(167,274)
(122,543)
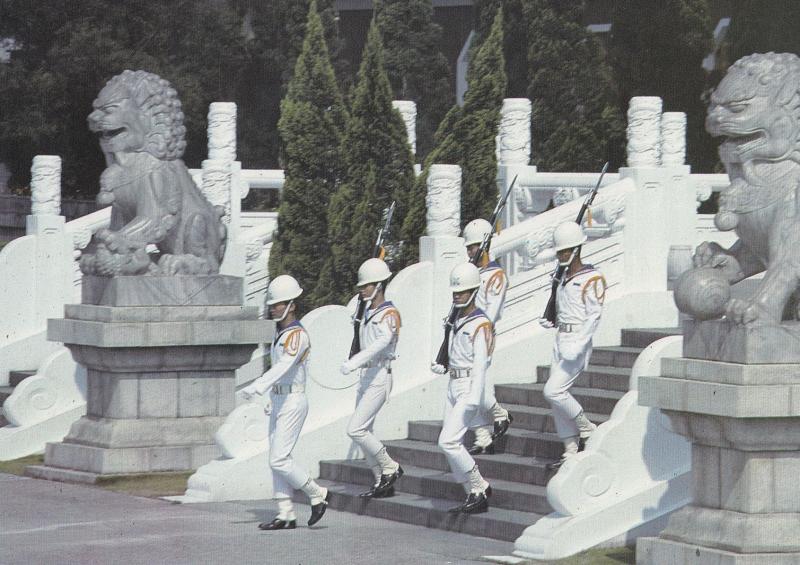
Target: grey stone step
(439,484)
(505,466)
(16,377)
(642,337)
(517,441)
(497,523)
(540,419)
(592,400)
(595,376)
(615,356)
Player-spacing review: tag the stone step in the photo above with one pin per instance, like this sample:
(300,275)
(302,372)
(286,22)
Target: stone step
(540,419)
(505,466)
(16,377)
(434,483)
(642,337)
(592,400)
(595,377)
(497,523)
(615,356)
(519,442)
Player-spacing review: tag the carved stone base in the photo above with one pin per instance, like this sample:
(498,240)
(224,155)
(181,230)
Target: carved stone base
(657,551)
(181,290)
(721,340)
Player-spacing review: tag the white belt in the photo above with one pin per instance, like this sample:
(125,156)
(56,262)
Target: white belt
(568,328)
(287,389)
(459,373)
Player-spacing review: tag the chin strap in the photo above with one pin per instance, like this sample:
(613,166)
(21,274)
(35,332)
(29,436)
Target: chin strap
(471,298)
(285,311)
(571,258)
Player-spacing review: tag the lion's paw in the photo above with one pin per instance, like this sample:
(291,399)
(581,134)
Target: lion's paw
(745,312)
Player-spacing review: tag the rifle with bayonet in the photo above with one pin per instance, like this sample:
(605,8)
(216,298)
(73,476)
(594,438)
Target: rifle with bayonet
(443,357)
(550,310)
(378,252)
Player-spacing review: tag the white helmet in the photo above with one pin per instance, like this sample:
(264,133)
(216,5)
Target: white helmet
(568,235)
(282,289)
(372,271)
(463,277)
(476,231)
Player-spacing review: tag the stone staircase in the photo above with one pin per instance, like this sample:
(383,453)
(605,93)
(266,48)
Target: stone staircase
(516,471)
(14,378)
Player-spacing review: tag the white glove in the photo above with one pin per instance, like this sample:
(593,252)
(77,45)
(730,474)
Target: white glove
(438,369)
(546,324)
(347,368)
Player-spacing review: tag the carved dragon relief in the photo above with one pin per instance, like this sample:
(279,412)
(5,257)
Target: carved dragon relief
(756,108)
(153,199)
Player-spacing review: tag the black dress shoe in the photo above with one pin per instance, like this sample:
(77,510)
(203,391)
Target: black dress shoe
(386,483)
(481,449)
(501,427)
(388,493)
(278,524)
(476,503)
(318,510)
(369,493)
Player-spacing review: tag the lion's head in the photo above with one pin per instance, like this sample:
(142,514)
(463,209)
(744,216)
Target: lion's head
(757,107)
(138,112)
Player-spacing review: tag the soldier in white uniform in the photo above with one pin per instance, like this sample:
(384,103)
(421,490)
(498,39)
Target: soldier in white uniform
(470,347)
(286,380)
(493,420)
(579,304)
(378,334)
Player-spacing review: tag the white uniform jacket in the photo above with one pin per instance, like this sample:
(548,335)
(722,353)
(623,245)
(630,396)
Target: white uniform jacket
(471,346)
(289,355)
(378,334)
(579,303)
(492,294)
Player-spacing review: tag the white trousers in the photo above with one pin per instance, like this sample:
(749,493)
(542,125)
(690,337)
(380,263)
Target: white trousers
(484,417)
(373,392)
(458,416)
(285,423)
(563,374)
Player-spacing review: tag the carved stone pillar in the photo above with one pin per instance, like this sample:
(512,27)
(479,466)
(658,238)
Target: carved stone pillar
(46,185)
(217,185)
(443,201)
(673,138)
(408,110)
(514,135)
(222,131)
(644,131)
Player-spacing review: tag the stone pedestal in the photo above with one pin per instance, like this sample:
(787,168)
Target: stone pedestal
(744,424)
(160,374)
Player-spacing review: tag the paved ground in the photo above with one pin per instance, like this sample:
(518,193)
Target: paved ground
(43,522)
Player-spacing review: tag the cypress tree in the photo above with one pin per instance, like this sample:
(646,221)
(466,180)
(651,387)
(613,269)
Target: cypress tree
(378,168)
(576,123)
(466,137)
(762,26)
(515,39)
(657,48)
(416,67)
(311,126)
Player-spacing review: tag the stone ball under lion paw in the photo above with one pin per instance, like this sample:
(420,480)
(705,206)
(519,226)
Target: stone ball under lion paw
(703,293)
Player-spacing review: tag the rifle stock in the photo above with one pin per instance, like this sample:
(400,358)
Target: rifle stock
(355,345)
(550,309)
(443,357)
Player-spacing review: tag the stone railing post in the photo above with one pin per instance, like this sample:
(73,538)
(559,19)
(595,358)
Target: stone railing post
(222,180)
(442,245)
(661,213)
(408,110)
(46,185)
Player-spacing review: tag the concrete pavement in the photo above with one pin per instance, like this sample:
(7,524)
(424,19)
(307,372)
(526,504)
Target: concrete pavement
(46,522)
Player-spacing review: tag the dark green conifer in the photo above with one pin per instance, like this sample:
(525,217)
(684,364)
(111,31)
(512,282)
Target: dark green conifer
(311,126)
(378,168)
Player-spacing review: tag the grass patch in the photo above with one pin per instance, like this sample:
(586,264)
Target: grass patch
(151,485)
(17,466)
